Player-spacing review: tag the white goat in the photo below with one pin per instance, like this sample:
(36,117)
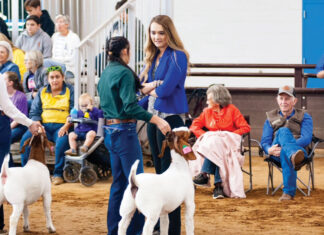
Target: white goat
(157,195)
(22,186)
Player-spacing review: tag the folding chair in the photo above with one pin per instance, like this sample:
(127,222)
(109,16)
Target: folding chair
(309,162)
(247,149)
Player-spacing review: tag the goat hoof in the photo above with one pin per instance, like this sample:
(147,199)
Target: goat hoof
(51,230)
(26,229)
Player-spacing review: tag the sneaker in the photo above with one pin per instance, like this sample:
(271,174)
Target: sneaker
(202,180)
(218,192)
(285,197)
(3,231)
(297,159)
(58,180)
(71,152)
(84,149)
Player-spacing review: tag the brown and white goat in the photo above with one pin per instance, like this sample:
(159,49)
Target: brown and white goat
(155,196)
(22,186)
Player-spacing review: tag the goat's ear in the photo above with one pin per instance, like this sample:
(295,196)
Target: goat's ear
(23,148)
(164,145)
(186,150)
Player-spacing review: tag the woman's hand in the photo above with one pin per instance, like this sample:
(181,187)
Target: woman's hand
(161,124)
(34,127)
(148,87)
(63,130)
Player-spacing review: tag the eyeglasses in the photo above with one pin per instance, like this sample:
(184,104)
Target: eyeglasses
(54,68)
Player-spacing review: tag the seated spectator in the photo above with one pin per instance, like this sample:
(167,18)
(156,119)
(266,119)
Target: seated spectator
(51,107)
(36,75)
(19,99)
(33,7)
(84,131)
(18,55)
(34,38)
(320,68)
(4,28)
(220,144)
(64,44)
(6,58)
(293,130)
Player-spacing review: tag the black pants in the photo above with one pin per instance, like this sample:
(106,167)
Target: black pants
(155,138)
(5,133)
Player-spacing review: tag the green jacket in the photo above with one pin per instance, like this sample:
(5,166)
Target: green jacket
(118,95)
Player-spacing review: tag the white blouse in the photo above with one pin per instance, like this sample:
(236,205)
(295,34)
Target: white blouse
(9,108)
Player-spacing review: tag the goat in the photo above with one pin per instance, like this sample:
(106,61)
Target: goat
(22,186)
(155,196)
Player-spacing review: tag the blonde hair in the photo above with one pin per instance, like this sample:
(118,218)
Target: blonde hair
(4,38)
(220,95)
(35,56)
(85,96)
(173,39)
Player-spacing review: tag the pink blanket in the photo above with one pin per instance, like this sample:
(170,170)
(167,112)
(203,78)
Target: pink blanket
(223,149)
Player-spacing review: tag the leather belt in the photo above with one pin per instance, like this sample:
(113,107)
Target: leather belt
(118,121)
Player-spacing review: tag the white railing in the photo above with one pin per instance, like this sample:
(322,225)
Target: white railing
(131,21)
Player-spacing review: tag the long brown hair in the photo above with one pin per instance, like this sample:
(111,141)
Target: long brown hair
(13,77)
(173,38)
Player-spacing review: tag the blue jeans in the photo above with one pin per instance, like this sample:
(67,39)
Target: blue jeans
(124,147)
(17,133)
(5,132)
(61,145)
(155,138)
(211,168)
(286,140)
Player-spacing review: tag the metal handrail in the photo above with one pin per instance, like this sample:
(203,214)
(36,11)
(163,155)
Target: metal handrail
(298,74)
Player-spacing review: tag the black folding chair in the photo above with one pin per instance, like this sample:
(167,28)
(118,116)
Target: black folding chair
(308,162)
(247,149)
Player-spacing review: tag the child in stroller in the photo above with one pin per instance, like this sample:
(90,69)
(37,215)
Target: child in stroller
(93,160)
(85,130)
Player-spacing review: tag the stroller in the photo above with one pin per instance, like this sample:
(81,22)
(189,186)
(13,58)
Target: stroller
(92,165)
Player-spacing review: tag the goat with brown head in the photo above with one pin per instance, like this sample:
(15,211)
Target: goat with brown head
(177,140)
(37,144)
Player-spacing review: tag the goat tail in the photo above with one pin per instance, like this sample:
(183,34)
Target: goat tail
(4,169)
(132,179)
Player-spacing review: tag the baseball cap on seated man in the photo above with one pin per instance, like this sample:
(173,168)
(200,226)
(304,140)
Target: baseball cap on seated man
(289,90)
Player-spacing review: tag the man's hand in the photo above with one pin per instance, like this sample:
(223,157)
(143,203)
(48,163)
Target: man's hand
(274,150)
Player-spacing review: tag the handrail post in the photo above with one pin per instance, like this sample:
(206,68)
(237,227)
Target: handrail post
(15,16)
(77,77)
(131,33)
(299,77)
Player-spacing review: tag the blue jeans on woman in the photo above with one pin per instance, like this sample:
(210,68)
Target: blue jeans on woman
(156,138)
(286,140)
(124,147)
(61,145)
(5,132)
(211,168)
(17,133)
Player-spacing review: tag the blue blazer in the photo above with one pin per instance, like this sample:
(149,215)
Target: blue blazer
(172,70)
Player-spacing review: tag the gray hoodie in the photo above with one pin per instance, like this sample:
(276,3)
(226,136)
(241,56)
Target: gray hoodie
(39,41)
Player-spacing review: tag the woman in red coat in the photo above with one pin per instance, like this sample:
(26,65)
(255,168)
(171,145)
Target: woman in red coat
(220,115)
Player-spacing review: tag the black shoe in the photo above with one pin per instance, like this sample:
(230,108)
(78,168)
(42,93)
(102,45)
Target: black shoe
(218,192)
(201,180)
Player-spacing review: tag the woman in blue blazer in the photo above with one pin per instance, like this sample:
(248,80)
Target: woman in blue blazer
(166,64)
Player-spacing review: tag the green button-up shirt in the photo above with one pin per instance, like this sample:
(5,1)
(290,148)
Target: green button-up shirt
(118,95)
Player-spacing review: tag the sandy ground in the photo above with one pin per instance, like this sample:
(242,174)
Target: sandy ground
(77,209)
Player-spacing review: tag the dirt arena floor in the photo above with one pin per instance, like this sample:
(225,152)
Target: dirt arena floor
(82,210)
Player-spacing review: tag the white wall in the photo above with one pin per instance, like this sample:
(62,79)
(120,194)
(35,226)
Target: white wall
(236,31)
